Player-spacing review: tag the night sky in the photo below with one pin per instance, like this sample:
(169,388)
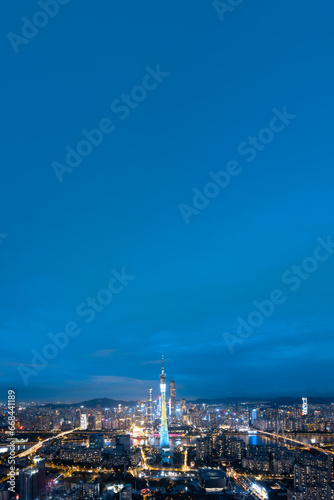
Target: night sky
(187,95)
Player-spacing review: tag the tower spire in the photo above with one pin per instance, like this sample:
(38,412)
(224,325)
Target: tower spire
(164,438)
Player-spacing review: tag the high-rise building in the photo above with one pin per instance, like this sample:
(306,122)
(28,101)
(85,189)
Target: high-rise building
(213,420)
(172,400)
(183,406)
(40,466)
(91,421)
(203,448)
(29,487)
(126,493)
(98,421)
(254,415)
(138,414)
(90,490)
(164,437)
(304,406)
(96,441)
(83,422)
(4,493)
(123,443)
(150,406)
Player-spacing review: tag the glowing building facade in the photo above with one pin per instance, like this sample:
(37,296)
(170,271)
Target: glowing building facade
(150,406)
(164,437)
(83,422)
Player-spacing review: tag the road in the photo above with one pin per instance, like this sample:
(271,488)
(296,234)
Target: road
(34,448)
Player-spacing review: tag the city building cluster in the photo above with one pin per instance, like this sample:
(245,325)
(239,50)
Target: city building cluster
(166,447)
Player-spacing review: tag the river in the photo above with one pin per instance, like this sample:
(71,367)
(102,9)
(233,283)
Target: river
(254,439)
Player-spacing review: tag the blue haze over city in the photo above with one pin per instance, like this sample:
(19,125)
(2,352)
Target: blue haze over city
(167,174)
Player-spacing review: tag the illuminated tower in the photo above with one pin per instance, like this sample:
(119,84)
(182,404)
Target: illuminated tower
(304,407)
(150,406)
(164,438)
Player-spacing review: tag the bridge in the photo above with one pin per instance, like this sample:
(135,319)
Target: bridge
(295,441)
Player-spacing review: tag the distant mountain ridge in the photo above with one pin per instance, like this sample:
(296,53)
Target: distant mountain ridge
(283,400)
(113,403)
(93,403)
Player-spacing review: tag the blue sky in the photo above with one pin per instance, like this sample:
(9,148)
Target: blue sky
(120,207)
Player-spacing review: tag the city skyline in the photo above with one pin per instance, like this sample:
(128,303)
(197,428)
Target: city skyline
(169,388)
(261,449)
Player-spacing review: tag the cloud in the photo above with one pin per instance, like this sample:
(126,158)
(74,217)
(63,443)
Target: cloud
(111,379)
(110,386)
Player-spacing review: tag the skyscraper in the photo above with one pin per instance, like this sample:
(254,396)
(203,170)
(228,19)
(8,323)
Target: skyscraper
(96,441)
(304,406)
(150,406)
(40,466)
(213,420)
(126,493)
(164,438)
(83,422)
(254,415)
(172,400)
(29,484)
(98,421)
(123,443)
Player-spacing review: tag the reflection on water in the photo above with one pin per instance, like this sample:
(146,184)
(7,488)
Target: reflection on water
(155,441)
(250,439)
(264,440)
(258,440)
